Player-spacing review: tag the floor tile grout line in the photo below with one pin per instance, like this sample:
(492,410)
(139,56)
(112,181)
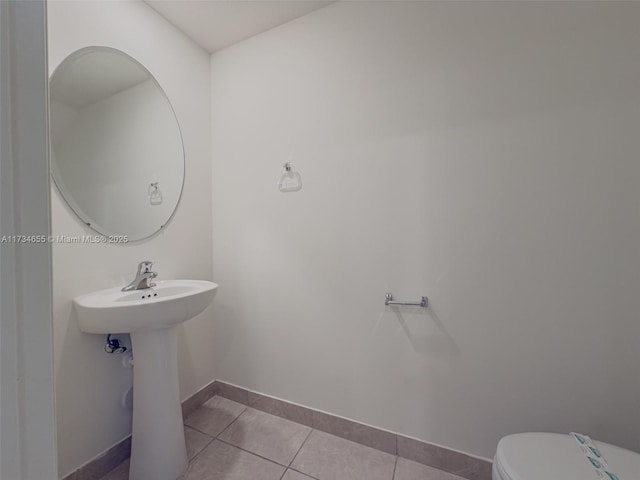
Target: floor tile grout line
(395,465)
(252,453)
(200,431)
(211,439)
(232,422)
(302,473)
(301,445)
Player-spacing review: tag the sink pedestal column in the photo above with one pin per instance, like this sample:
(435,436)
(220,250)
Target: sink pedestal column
(158,450)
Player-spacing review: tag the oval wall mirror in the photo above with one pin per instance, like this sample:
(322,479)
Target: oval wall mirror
(116,150)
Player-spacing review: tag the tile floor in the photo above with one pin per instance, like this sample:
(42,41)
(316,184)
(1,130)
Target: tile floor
(229,441)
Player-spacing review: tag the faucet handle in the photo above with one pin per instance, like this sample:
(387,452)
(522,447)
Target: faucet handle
(145,266)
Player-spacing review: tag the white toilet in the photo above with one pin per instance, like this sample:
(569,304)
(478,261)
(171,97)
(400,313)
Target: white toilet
(553,456)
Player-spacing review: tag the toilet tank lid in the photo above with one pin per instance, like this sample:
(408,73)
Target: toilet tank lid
(532,456)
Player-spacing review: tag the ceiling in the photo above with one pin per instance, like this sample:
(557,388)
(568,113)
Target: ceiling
(215,24)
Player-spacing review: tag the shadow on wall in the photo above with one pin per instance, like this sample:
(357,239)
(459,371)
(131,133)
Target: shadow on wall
(187,363)
(226,325)
(191,343)
(83,408)
(432,344)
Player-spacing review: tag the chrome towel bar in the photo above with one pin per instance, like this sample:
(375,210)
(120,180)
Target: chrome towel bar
(388,300)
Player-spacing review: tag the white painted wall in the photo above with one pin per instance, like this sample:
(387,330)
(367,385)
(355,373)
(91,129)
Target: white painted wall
(483,154)
(89,382)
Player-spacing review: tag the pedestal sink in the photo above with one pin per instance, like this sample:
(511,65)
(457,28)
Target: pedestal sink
(151,316)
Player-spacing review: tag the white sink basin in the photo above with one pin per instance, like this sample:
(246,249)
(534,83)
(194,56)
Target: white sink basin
(151,316)
(168,303)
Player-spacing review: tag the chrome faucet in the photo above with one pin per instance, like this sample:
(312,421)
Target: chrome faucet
(142,277)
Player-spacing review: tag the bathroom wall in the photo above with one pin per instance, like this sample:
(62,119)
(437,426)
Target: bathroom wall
(482,154)
(89,383)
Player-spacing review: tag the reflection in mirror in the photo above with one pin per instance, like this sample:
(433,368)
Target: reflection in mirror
(117,154)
